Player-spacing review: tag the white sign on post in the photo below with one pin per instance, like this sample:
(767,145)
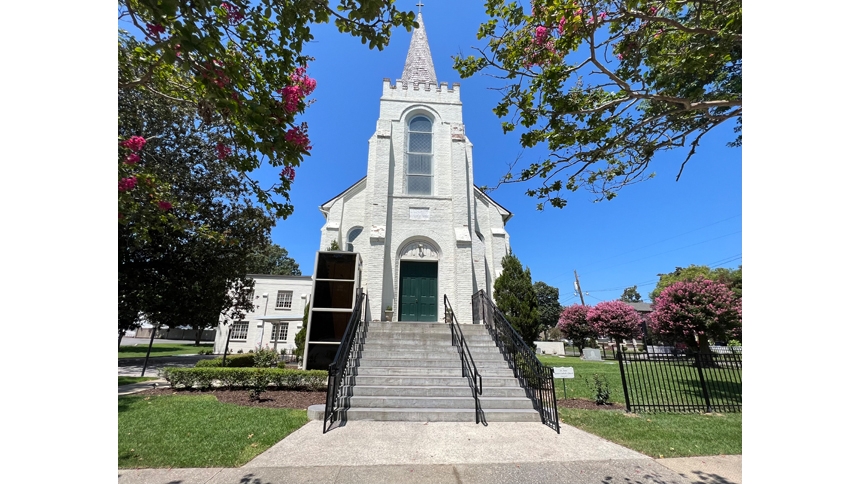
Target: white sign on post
(562,372)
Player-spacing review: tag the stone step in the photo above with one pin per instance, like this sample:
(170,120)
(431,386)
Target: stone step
(442,414)
(447,381)
(389,401)
(489,358)
(369,361)
(443,351)
(436,391)
(467,329)
(392,339)
(429,372)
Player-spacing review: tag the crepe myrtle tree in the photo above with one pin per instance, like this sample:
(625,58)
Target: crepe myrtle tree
(695,312)
(241,65)
(604,86)
(573,324)
(616,320)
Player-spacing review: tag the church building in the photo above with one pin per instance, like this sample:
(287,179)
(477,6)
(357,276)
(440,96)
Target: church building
(421,226)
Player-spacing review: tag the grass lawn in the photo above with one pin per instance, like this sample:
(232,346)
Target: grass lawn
(654,434)
(162,349)
(197,431)
(128,380)
(582,370)
(662,434)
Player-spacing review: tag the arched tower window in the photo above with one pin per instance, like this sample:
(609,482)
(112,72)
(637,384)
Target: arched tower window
(350,238)
(419,157)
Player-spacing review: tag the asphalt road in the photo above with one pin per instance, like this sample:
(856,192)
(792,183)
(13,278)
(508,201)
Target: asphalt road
(127,341)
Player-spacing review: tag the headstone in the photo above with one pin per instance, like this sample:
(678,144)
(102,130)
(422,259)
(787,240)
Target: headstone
(591,354)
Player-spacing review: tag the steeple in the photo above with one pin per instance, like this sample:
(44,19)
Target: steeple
(419,63)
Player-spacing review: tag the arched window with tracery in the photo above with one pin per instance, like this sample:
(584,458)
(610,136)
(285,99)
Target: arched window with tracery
(419,157)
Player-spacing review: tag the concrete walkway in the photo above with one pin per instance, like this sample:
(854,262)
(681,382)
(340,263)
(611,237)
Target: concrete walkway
(446,452)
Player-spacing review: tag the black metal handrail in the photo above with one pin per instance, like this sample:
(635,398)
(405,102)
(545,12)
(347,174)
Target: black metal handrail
(534,376)
(344,364)
(467,363)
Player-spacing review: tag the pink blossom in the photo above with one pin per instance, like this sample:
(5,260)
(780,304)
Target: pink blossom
(135,143)
(127,184)
(132,159)
(165,205)
(234,14)
(561,26)
(620,56)
(155,30)
(652,10)
(615,319)
(300,86)
(541,34)
(602,15)
(289,172)
(223,151)
(701,307)
(298,137)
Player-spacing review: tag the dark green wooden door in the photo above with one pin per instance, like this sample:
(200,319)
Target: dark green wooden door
(418,291)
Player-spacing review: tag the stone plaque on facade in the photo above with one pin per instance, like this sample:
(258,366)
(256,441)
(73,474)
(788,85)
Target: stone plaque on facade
(419,213)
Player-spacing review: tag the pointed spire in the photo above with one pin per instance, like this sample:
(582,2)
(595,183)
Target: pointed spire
(419,63)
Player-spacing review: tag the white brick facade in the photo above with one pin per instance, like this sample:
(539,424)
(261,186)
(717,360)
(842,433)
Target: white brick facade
(463,226)
(261,321)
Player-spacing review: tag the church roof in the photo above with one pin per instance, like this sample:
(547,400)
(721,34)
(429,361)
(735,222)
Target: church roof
(419,63)
(506,214)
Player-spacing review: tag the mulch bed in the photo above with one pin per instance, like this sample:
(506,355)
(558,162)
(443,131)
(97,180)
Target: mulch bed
(304,399)
(268,399)
(585,404)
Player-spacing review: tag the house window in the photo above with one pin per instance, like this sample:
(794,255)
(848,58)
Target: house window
(350,239)
(419,157)
(240,331)
(280,332)
(285,300)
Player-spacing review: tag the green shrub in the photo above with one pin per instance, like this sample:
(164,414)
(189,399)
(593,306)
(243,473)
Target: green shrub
(259,382)
(256,379)
(233,361)
(598,384)
(265,357)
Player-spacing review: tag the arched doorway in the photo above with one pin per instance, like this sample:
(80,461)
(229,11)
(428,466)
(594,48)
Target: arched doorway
(419,282)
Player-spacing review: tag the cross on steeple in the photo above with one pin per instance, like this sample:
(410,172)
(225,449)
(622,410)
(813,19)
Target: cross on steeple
(419,5)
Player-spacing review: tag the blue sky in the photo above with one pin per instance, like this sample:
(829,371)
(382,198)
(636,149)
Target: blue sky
(649,228)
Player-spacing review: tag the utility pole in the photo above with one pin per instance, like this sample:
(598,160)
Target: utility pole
(578,289)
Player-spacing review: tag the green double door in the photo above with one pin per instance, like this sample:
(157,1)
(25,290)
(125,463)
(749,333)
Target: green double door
(418,295)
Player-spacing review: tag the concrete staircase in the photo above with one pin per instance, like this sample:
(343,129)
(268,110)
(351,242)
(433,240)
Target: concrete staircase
(411,372)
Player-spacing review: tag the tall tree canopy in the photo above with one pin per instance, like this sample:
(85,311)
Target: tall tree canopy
(695,311)
(515,296)
(605,85)
(190,268)
(733,278)
(274,259)
(240,66)
(549,308)
(573,324)
(630,294)
(616,320)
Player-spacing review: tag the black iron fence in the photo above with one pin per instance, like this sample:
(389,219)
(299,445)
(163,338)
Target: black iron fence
(534,377)
(681,381)
(341,372)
